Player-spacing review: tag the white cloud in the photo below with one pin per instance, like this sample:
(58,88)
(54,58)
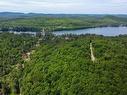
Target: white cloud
(65,6)
(119,1)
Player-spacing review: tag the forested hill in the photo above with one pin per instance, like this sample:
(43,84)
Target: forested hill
(63,66)
(54,22)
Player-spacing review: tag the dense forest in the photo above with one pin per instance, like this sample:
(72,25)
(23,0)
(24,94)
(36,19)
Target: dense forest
(12,48)
(61,65)
(53,23)
(65,67)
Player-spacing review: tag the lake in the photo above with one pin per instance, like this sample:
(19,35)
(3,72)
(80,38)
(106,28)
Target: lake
(106,31)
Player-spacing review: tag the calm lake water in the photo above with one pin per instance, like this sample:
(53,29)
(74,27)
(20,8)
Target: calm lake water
(106,31)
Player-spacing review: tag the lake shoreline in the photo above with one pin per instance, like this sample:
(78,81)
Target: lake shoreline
(91,27)
(105,31)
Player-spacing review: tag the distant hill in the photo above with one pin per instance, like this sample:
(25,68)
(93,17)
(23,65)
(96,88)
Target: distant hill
(17,15)
(24,15)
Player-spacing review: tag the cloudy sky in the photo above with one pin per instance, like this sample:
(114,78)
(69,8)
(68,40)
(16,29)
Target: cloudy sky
(65,6)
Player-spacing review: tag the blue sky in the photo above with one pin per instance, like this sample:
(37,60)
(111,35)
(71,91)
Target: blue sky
(65,6)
